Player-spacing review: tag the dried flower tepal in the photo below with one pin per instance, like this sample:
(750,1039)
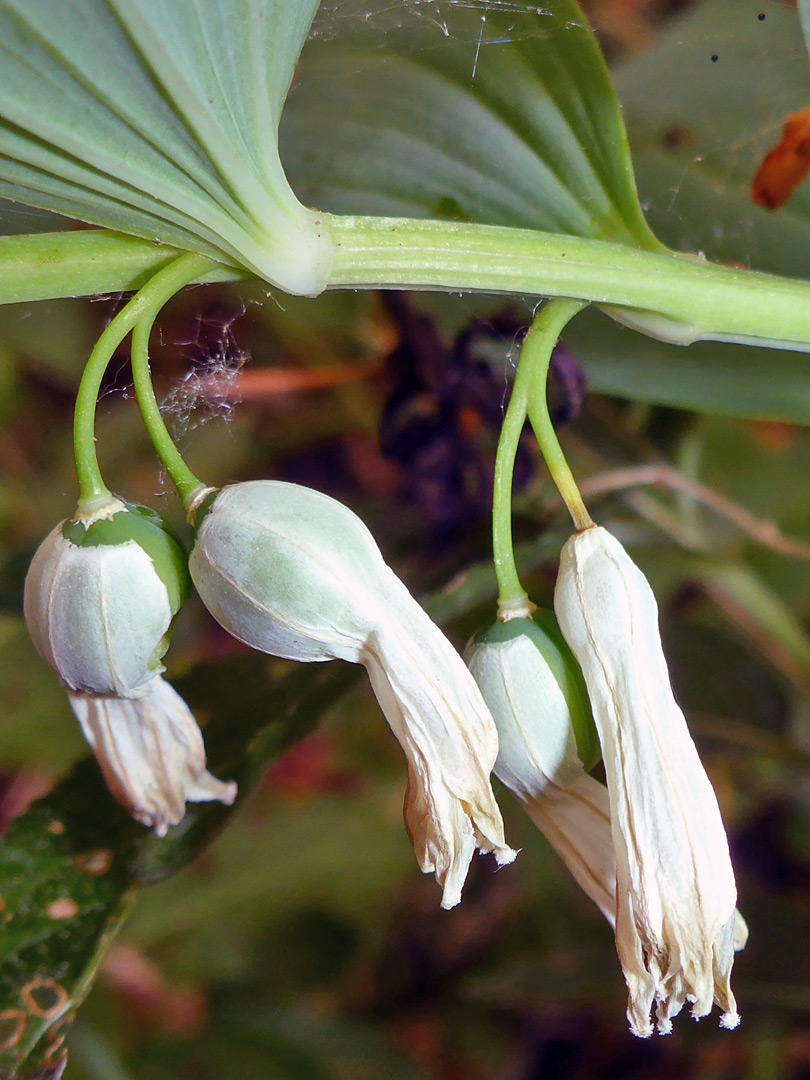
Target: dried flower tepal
(538,700)
(99,600)
(296,574)
(675,916)
(531,683)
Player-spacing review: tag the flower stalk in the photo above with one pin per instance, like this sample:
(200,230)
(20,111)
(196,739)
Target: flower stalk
(162,288)
(93,492)
(529,386)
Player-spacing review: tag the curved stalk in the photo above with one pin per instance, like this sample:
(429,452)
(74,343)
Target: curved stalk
(163,286)
(535,355)
(93,492)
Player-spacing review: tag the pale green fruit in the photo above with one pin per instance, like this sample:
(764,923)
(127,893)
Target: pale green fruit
(535,692)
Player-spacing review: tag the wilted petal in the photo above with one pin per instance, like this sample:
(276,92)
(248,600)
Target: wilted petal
(294,573)
(437,714)
(675,885)
(575,819)
(534,691)
(151,752)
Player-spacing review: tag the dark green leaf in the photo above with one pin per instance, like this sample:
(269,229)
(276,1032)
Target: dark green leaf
(70,865)
(697,143)
(730,380)
(156,119)
(504,117)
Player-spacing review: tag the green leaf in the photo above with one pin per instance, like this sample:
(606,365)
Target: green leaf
(695,164)
(709,377)
(70,866)
(159,120)
(504,116)
(804,15)
(694,167)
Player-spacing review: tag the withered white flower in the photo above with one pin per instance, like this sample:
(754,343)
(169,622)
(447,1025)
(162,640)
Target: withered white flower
(676,921)
(575,819)
(296,574)
(536,696)
(100,596)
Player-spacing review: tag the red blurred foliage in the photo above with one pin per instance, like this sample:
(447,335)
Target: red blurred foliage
(151,1004)
(786,165)
(308,768)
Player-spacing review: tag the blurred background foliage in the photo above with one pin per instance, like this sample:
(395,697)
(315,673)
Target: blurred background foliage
(302,942)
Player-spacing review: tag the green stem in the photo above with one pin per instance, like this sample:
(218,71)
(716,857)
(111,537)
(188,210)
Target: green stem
(93,492)
(670,296)
(535,355)
(678,298)
(43,266)
(162,287)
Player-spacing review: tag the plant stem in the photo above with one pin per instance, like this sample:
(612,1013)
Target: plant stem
(44,266)
(674,297)
(93,492)
(535,354)
(162,288)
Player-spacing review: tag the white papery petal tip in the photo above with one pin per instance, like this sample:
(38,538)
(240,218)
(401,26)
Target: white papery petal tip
(151,752)
(505,856)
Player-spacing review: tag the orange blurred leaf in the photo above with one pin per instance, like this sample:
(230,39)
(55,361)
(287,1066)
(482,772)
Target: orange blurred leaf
(786,165)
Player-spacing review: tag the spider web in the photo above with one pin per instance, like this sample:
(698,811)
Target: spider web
(336,17)
(209,390)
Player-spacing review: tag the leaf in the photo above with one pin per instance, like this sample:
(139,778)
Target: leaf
(159,120)
(695,164)
(70,865)
(504,116)
(709,377)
